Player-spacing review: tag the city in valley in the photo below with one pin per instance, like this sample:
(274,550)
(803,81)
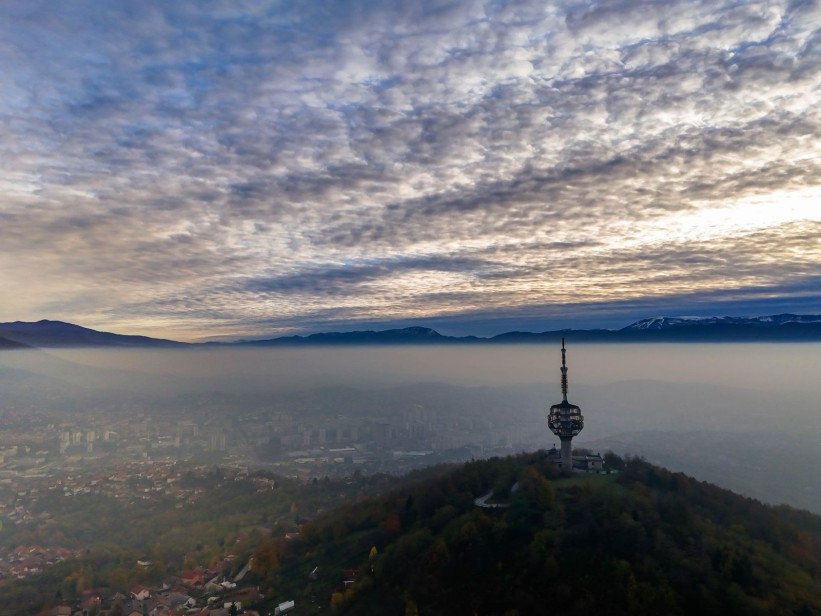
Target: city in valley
(137,455)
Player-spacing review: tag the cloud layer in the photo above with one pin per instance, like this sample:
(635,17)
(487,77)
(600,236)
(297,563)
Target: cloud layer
(239,168)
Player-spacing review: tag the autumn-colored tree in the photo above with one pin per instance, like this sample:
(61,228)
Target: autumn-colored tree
(265,559)
(337,599)
(119,579)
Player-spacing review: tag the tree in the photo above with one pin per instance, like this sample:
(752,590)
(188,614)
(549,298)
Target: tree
(613,462)
(337,599)
(265,559)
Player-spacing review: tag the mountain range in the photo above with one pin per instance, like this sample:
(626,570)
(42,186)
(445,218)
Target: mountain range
(774,328)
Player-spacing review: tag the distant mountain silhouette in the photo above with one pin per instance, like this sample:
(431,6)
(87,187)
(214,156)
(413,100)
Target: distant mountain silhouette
(408,335)
(780,327)
(776,328)
(59,334)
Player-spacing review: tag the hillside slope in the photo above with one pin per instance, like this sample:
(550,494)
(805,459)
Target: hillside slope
(6,344)
(57,334)
(643,541)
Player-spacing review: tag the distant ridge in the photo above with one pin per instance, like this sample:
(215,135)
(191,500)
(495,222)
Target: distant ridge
(57,334)
(778,320)
(774,328)
(407,335)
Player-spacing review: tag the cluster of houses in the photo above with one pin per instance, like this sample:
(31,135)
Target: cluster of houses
(144,480)
(24,560)
(198,592)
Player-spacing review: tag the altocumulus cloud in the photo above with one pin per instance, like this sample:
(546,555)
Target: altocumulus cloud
(224,167)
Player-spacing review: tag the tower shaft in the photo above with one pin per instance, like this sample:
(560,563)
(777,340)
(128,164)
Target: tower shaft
(567,453)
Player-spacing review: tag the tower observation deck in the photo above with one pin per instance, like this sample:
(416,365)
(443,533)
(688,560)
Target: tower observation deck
(564,419)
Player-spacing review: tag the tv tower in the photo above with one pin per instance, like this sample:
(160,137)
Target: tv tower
(565,419)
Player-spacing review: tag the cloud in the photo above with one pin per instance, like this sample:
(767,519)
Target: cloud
(185,164)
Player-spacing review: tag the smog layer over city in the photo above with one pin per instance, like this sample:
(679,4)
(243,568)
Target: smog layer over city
(727,413)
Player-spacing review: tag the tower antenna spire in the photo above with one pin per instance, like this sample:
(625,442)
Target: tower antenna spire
(564,373)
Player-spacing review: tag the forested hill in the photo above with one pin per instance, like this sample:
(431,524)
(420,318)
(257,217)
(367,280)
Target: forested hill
(641,541)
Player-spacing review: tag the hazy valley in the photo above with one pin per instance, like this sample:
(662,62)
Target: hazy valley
(744,416)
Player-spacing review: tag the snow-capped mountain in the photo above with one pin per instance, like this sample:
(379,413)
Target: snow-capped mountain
(665,323)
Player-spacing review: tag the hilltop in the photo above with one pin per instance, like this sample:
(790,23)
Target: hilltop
(640,541)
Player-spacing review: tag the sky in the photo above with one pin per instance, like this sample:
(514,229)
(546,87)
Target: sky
(217,169)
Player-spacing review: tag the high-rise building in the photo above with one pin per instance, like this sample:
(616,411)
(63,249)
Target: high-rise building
(565,419)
